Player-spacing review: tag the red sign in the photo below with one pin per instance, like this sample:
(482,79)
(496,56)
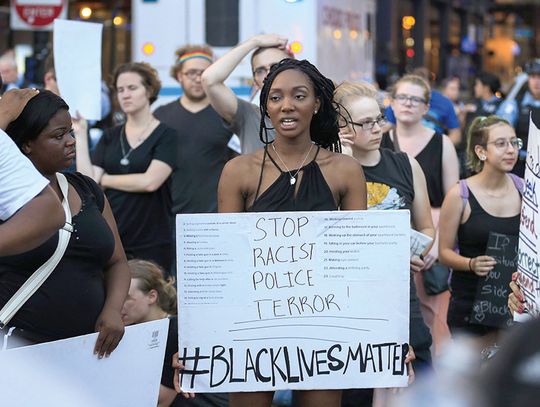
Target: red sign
(38,15)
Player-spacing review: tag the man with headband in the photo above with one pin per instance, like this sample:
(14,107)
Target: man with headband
(244,118)
(202,138)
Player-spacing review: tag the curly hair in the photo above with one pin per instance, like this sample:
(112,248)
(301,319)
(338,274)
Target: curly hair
(188,49)
(150,77)
(149,277)
(324,128)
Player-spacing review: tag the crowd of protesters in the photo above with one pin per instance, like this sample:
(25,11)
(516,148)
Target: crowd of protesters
(124,190)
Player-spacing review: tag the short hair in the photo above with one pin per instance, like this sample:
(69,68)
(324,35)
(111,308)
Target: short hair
(324,127)
(415,80)
(8,60)
(148,74)
(348,89)
(35,117)
(149,277)
(286,51)
(490,80)
(478,135)
(188,49)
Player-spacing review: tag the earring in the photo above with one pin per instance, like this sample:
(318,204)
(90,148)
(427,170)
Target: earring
(483,158)
(314,112)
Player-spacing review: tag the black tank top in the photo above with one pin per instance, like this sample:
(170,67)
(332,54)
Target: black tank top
(473,238)
(312,194)
(430,159)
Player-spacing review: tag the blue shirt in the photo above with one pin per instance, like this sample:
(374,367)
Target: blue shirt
(440,108)
(509,109)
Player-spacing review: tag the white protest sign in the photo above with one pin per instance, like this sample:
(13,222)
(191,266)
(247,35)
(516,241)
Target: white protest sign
(67,373)
(293,300)
(77,64)
(528,264)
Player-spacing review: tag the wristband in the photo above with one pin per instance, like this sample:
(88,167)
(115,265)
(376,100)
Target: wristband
(470,265)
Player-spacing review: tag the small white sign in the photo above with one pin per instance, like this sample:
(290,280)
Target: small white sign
(77,63)
(293,300)
(67,373)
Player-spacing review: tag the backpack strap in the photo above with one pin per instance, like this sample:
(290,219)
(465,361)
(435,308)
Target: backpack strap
(518,182)
(463,193)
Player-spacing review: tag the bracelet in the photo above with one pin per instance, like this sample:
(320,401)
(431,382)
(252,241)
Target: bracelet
(470,265)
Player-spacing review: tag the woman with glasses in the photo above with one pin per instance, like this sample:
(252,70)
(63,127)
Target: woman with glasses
(438,159)
(493,205)
(394,181)
(132,163)
(86,290)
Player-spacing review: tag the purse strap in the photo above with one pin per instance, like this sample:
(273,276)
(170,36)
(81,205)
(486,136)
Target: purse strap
(39,276)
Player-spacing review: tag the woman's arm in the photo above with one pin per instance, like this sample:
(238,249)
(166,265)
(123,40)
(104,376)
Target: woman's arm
(82,152)
(354,194)
(149,181)
(451,213)
(450,165)
(231,196)
(117,280)
(421,210)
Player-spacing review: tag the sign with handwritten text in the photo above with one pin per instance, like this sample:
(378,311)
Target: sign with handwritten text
(528,264)
(490,306)
(293,300)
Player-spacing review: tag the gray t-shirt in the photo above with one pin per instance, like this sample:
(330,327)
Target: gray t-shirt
(246,124)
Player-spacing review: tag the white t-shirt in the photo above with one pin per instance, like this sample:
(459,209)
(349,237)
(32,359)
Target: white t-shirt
(20,182)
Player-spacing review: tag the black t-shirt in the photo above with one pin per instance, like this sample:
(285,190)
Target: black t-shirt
(202,154)
(70,300)
(143,219)
(430,160)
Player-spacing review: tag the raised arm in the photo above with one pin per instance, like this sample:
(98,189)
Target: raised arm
(221,97)
(82,152)
(32,225)
(12,104)
(354,194)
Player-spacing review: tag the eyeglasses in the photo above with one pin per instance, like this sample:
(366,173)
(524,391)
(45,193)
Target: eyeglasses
(193,73)
(414,100)
(369,124)
(263,70)
(501,144)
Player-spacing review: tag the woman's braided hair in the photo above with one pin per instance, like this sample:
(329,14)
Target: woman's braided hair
(324,129)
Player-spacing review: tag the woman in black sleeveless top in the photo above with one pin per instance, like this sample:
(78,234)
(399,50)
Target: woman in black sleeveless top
(493,205)
(296,172)
(438,159)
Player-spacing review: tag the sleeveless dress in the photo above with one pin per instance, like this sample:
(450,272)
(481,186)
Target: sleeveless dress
(312,194)
(472,241)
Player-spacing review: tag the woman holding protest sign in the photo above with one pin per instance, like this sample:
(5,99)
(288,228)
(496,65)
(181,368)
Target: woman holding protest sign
(489,201)
(86,289)
(298,171)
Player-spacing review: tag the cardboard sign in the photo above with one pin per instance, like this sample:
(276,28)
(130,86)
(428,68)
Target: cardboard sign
(293,300)
(528,264)
(490,307)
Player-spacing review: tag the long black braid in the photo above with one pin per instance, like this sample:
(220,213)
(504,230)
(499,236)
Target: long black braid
(324,130)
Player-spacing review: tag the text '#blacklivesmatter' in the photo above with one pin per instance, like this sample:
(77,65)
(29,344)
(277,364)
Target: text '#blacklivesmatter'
(289,365)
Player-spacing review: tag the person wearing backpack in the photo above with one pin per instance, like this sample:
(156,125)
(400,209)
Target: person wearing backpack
(489,201)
